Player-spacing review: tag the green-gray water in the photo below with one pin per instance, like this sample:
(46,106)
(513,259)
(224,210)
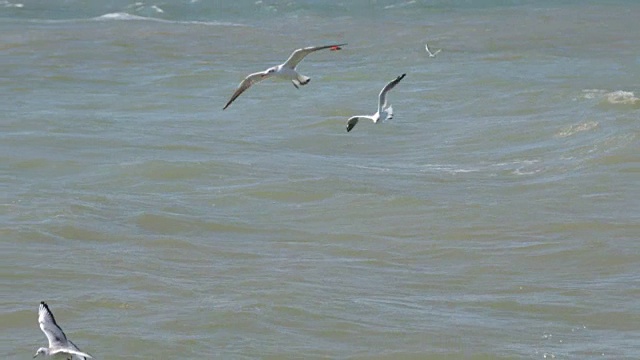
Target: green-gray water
(497,216)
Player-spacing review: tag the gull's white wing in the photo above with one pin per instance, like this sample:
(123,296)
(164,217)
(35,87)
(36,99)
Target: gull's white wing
(382,98)
(299,54)
(74,353)
(351,123)
(75,350)
(50,328)
(246,83)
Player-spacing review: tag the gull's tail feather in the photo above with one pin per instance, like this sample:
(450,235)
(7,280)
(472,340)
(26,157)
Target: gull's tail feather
(303,80)
(389,112)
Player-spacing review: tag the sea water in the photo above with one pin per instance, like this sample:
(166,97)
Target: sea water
(496,216)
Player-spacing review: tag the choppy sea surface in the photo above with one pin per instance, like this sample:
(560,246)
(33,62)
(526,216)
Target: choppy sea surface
(496,216)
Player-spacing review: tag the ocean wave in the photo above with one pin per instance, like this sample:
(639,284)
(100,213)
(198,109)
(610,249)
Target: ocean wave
(618,97)
(576,128)
(518,167)
(7,4)
(447,168)
(400,5)
(123,16)
(621,97)
(130,17)
(142,7)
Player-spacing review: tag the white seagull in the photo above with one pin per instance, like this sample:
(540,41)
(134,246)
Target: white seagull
(430,53)
(287,70)
(383,109)
(58,342)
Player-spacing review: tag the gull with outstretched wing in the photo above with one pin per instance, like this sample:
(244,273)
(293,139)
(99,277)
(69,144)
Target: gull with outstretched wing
(383,110)
(58,342)
(286,70)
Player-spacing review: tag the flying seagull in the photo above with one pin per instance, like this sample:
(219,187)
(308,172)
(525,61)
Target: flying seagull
(287,70)
(58,342)
(430,53)
(383,109)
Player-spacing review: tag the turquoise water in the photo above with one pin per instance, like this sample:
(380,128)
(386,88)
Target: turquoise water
(495,217)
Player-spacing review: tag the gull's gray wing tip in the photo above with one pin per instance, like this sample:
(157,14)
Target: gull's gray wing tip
(44,307)
(351,123)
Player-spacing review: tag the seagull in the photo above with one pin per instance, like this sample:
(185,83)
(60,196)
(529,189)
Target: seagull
(430,53)
(58,342)
(287,70)
(383,109)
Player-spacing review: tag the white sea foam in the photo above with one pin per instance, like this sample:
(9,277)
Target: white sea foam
(446,168)
(592,93)
(400,5)
(576,128)
(8,4)
(142,7)
(618,97)
(621,97)
(520,166)
(122,16)
(131,17)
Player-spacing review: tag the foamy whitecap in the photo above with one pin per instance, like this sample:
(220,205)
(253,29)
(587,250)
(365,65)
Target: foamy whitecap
(447,168)
(130,17)
(121,16)
(576,128)
(612,97)
(593,93)
(622,97)
(520,167)
(8,4)
(406,3)
(141,7)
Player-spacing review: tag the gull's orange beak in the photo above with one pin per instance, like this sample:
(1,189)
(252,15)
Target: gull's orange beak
(335,48)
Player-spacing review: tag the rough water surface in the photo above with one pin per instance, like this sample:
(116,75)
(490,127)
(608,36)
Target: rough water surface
(497,216)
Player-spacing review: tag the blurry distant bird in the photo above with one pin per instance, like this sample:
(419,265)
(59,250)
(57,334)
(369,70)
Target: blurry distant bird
(426,46)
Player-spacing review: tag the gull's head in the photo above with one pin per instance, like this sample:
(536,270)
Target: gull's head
(43,351)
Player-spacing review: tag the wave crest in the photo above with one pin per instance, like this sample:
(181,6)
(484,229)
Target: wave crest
(622,97)
(130,17)
(618,97)
(576,128)
(122,16)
